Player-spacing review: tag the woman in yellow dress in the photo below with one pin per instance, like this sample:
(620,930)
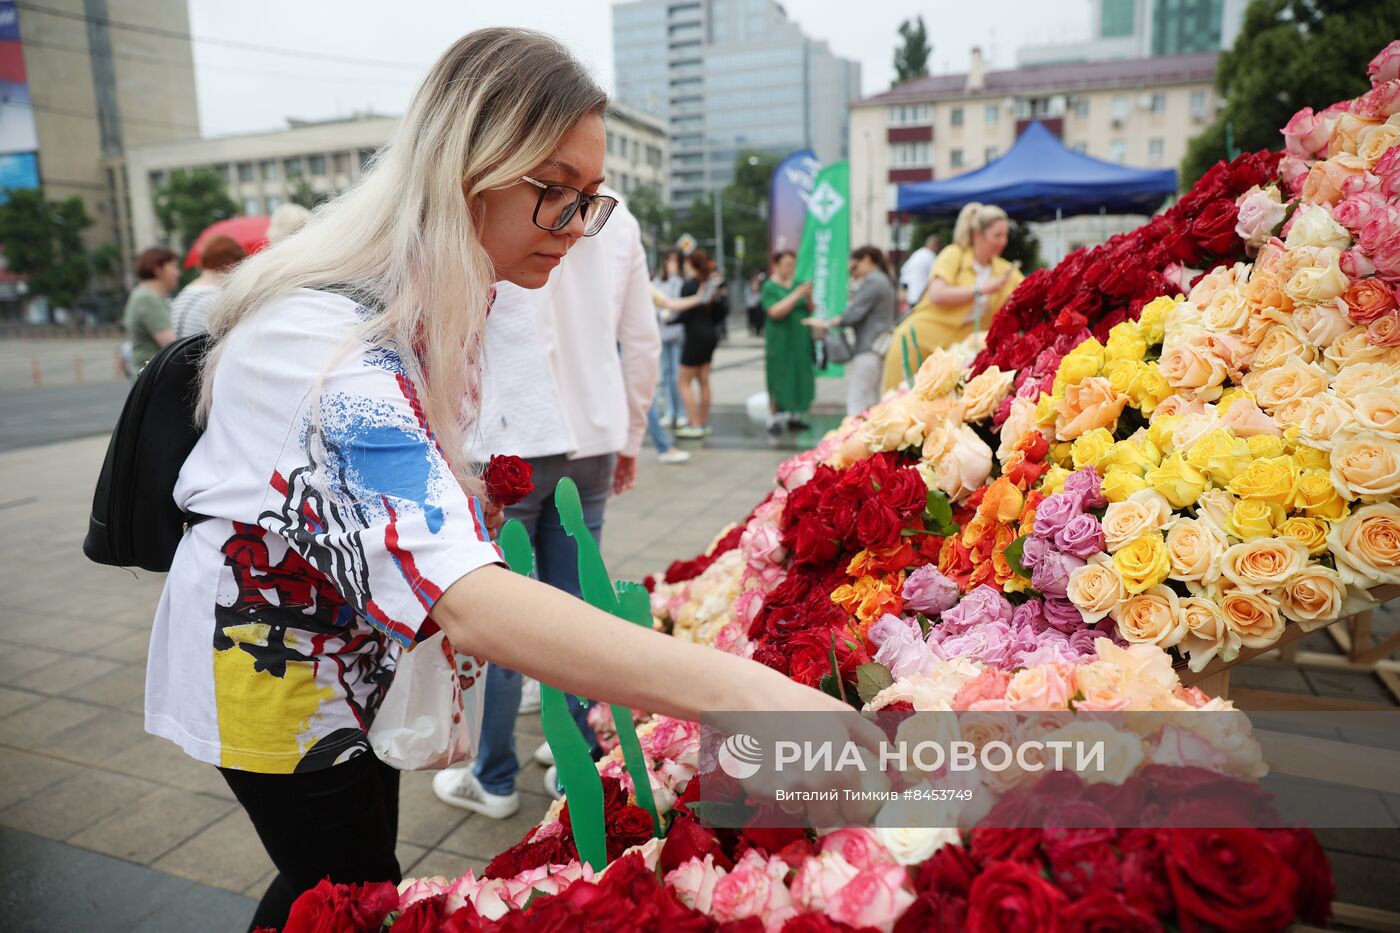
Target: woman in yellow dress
(969,283)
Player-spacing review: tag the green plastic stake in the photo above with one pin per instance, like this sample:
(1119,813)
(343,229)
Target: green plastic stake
(904,349)
(623,602)
(577,772)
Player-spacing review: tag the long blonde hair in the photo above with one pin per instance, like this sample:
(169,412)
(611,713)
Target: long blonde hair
(975,218)
(404,242)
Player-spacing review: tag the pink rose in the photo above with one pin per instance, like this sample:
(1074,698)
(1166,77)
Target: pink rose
(1293,171)
(1356,264)
(755,888)
(420,889)
(1386,257)
(1306,134)
(1354,212)
(671,738)
(797,471)
(1246,419)
(1181,748)
(991,684)
(694,882)
(1260,211)
(1380,101)
(828,884)
(1387,171)
(1045,687)
(1386,65)
(1385,331)
(860,847)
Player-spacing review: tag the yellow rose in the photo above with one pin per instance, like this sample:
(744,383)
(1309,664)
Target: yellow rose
(1126,455)
(1061,453)
(1095,588)
(1090,446)
(1125,342)
(1149,387)
(1312,532)
(1261,564)
(1316,594)
(1221,455)
(1180,482)
(1121,373)
(1046,408)
(1118,484)
(1311,458)
(1316,496)
(1079,364)
(1366,466)
(1254,518)
(1270,479)
(1194,548)
(1265,445)
(1254,617)
(1151,618)
(1161,430)
(1366,545)
(1152,322)
(1143,564)
(1054,479)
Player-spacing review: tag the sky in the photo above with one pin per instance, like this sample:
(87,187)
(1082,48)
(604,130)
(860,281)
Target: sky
(340,56)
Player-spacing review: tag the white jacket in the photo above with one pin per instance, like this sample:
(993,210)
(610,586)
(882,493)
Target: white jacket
(570,368)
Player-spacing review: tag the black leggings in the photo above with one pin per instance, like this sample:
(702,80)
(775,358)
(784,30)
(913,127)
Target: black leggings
(340,822)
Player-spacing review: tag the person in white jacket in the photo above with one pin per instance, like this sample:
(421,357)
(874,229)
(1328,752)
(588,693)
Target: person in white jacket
(570,372)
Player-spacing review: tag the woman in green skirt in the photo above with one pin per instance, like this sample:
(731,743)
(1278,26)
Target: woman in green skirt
(787,346)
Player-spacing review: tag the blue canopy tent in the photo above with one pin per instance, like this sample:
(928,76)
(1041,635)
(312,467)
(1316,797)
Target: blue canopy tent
(1039,178)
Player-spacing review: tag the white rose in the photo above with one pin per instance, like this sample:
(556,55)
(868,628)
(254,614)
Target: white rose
(1121,751)
(914,845)
(1313,226)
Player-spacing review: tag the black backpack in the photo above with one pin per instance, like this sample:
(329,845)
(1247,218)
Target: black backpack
(135,522)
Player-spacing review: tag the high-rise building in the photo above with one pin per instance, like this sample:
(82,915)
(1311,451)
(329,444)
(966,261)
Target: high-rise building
(1139,28)
(104,76)
(727,76)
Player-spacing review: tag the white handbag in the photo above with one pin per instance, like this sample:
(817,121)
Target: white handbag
(431,716)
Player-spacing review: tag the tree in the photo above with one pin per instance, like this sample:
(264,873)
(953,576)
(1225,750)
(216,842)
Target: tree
(656,219)
(188,202)
(1290,54)
(911,58)
(303,194)
(745,213)
(44,240)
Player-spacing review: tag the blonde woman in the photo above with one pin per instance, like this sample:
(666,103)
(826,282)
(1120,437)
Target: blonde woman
(969,283)
(342,512)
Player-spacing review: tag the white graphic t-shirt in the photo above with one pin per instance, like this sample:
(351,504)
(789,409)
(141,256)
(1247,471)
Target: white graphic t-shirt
(335,525)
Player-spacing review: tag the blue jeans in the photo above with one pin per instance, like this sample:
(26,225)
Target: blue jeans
(669,389)
(655,431)
(556,563)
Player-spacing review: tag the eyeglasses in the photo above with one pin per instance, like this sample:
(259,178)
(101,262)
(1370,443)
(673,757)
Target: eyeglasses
(558,204)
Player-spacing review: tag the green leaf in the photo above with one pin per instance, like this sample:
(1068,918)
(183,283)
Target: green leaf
(871,679)
(924,624)
(836,672)
(1013,556)
(938,508)
(831,686)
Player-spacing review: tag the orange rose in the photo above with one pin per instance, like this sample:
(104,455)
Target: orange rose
(1314,595)
(1194,548)
(1366,545)
(1292,380)
(1368,299)
(1089,404)
(1254,617)
(1151,618)
(1002,502)
(1366,465)
(1261,564)
(1190,365)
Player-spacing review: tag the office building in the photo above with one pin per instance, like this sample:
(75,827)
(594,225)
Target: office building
(636,155)
(1139,28)
(727,76)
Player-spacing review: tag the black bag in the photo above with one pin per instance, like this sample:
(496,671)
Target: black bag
(134,521)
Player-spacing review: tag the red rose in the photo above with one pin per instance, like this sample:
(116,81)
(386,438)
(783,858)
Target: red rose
(1299,848)
(629,826)
(1082,867)
(425,916)
(1107,912)
(991,845)
(333,908)
(1009,897)
(906,493)
(809,656)
(1143,872)
(815,543)
(816,923)
(1214,228)
(942,885)
(687,839)
(1227,879)
(508,480)
(877,525)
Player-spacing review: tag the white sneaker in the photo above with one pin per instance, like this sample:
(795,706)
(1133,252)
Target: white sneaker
(551,783)
(458,787)
(529,696)
(545,755)
(673,456)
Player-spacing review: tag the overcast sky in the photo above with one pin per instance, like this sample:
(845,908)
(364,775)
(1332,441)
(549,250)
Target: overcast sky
(389,45)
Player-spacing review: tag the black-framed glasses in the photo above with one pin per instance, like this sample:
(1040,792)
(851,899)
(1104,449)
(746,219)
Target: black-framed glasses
(557,205)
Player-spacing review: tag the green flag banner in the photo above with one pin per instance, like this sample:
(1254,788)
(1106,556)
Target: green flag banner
(824,257)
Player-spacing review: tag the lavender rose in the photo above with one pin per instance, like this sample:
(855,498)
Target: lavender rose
(1029,615)
(986,642)
(929,591)
(1054,513)
(902,648)
(1051,648)
(1051,575)
(1087,485)
(1062,614)
(1082,536)
(1032,551)
(983,604)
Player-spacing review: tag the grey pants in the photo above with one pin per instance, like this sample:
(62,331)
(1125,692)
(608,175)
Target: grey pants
(863,375)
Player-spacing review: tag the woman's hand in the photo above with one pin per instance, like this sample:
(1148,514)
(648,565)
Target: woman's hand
(495,517)
(992,286)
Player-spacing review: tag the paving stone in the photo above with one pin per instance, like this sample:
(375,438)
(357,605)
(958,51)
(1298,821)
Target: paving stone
(63,809)
(228,854)
(409,856)
(1269,677)
(446,864)
(482,837)
(35,727)
(1346,685)
(100,739)
(23,774)
(18,661)
(123,687)
(130,648)
(1365,880)
(1380,843)
(77,671)
(12,700)
(259,887)
(423,819)
(152,826)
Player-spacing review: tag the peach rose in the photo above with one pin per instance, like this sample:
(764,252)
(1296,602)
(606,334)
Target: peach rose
(1366,545)
(1226,311)
(1095,588)
(1326,179)
(984,393)
(1378,410)
(1353,347)
(1021,420)
(1151,618)
(937,376)
(891,427)
(1366,465)
(1315,594)
(1190,366)
(1317,278)
(1194,548)
(1207,635)
(1385,331)
(1177,405)
(1289,381)
(1217,279)
(1320,324)
(1346,134)
(965,467)
(1246,419)
(1144,511)
(1372,142)
(1322,419)
(1264,563)
(1215,508)
(1253,617)
(1090,404)
(1278,344)
(1358,378)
